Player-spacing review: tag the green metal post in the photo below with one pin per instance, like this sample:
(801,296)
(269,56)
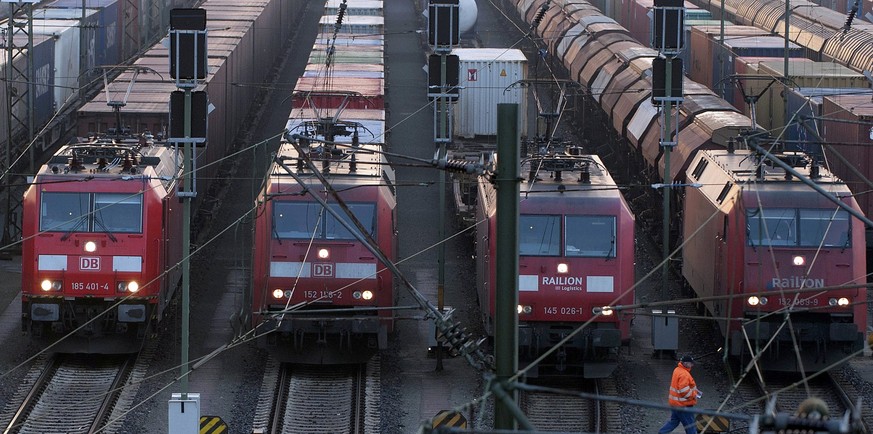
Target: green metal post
(506,298)
(441,233)
(186,243)
(721,54)
(785,68)
(668,181)
(31,77)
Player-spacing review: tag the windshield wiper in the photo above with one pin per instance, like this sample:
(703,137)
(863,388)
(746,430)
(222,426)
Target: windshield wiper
(276,233)
(106,231)
(74,228)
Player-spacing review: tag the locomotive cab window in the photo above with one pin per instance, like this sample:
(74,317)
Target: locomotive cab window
(590,236)
(798,227)
(539,235)
(117,212)
(828,228)
(87,212)
(310,220)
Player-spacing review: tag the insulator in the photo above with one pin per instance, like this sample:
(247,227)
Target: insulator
(539,17)
(340,14)
(459,166)
(849,19)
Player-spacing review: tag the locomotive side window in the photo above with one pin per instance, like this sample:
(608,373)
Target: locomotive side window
(590,236)
(64,212)
(305,220)
(772,227)
(539,235)
(827,228)
(117,212)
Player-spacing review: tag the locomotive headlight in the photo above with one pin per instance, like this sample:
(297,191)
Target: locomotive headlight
(843,301)
(50,285)
(131,286)
(763,301)
(798,260)
(367,295)
(606,310)
(562,268)
(278,293)
(524,309)
(753,300)
(323,253)
(90,247)
(356,295)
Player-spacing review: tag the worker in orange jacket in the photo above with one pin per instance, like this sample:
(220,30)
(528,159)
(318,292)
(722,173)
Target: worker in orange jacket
(683,394)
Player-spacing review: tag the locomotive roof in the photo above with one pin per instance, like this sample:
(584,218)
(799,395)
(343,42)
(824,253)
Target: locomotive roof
(112,159)
(370,166)
(571,178)
(740,166)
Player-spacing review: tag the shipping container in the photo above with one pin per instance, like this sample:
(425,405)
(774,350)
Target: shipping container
(704,52)
(89,28)
(805,105)
(66,58)
(771,105)
(356,25)
(108,44)
(488,76)
(847,131)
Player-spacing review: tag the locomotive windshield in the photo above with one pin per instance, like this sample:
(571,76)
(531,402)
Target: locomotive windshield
(307,220)
(539,235)
(590,236)
(91,212)
(798,227)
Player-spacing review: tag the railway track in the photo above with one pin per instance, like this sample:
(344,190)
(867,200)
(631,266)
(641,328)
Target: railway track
(319,399)
(832,388)
(567,413)
(71,394)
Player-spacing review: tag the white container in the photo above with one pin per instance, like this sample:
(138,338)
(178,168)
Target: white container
(66,34)
(486,75)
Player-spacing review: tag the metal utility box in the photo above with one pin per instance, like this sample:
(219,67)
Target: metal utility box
(184,414)
(486,77)
(665,330)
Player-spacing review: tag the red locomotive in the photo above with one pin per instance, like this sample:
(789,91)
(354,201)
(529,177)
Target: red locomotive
(319,294)
(101,240)
(732,256)
(576,259)
(766,243)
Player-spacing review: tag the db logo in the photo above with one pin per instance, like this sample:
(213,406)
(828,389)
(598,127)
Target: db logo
(322,270)
(86,263)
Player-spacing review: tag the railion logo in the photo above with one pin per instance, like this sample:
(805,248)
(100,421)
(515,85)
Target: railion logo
(322,270)
(89,264)
(795,282)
